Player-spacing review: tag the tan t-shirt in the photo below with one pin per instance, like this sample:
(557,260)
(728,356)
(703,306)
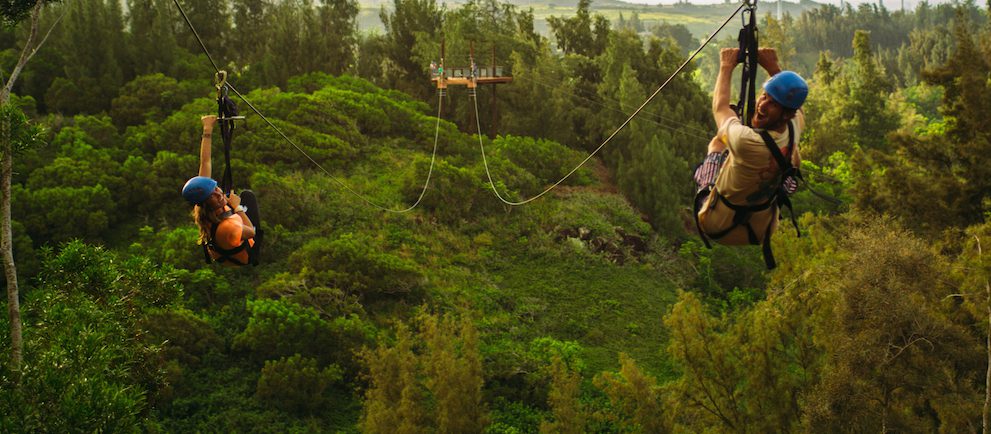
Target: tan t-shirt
(748,177)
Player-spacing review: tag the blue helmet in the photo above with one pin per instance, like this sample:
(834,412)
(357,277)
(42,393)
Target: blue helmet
(198,189)
(788,89)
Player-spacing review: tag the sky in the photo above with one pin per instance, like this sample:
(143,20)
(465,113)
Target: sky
(890,4)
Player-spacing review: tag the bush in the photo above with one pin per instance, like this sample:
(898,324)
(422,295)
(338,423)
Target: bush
(455,194)
(548,160)
(85,368)
(280,328)
(296,384)
(356,264)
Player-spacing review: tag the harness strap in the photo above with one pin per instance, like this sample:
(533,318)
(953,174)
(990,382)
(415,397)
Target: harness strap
(741,216)
(781,198)
(696,207)
(748,56)
(225,255)
(226,111)
(766,248)
(786,168)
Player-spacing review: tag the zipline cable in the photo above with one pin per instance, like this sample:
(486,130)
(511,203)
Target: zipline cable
(704,134)
(423,191)
(602,104)
(608,139)
(433,156)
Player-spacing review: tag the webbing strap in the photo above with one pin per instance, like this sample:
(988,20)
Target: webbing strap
(696,207)
(748,57)
(784,164)
(741,216)
(781,197)
(786,168)
(226,110)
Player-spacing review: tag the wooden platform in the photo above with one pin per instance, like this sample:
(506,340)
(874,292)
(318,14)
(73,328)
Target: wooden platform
(460,77)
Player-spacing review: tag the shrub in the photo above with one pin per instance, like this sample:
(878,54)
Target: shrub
(296,384)
(354,263)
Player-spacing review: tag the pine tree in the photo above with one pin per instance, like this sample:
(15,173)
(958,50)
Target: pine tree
(336,31)
(636,402)
(152,35)
(408,19)
(570,416)
(454,373)
(436,388)
(869,115)
(394,399)
(93,60)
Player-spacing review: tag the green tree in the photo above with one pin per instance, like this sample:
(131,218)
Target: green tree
(336,34)
(869,89)
(87,311)
(779,34)
(152,36)
(582,34)
(882,348)
(453,367)
(411,21)
(281,328)
(93,55)
(636,401)
(296,384)
(964,77)
(16,135)
(147,98)
(920,181)
(250,32)
(436,387)
(570,416)
(351,262)
(394,400)
(212,20)
(679,33)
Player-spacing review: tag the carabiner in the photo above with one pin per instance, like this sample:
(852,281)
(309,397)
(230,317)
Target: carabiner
(220,78)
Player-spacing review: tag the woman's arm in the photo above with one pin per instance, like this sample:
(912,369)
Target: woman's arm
(247,227)
(206,168)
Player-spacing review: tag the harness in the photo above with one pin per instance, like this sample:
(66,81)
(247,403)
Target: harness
(224,255)
(742,213)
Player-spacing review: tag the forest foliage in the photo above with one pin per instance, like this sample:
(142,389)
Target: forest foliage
(592,309)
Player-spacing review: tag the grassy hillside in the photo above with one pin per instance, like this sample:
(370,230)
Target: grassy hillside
(577,270)
(700,19)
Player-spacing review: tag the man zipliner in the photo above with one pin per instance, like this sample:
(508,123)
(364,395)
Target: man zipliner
(749,171)
(229,226)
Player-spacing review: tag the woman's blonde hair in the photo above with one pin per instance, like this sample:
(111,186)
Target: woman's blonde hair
(204,220)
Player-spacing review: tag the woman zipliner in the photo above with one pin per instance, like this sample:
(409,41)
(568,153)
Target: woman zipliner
(229,225)
(749,171)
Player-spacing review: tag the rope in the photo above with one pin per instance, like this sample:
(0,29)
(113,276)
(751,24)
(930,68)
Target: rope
(704,134)
(608,139)
(433,157)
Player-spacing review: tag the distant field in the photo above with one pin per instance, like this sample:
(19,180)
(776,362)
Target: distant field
(700,19)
